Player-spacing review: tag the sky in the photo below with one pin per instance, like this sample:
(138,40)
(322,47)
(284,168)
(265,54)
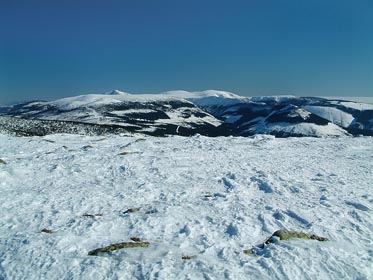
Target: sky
(52,49)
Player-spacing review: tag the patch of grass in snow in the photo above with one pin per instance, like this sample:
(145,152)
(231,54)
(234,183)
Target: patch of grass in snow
(131,210)
(134,210)
(118,246)
(187,257)
(286,235)
(127,153)
(91,215)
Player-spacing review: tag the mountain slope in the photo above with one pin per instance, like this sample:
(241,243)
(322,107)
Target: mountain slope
(211,113)
(148,114)
(287,115)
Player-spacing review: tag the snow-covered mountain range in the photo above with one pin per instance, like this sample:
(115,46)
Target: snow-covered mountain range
(211,113)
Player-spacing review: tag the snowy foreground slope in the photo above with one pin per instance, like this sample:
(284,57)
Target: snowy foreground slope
(205,197)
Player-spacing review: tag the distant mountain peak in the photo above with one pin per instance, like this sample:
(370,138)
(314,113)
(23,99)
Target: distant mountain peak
(115,92)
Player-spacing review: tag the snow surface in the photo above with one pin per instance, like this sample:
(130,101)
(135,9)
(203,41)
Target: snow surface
(286,128)
(299,113)
(357,105)
(205,197)
(357,99)
(176,117)
(332,114)
(309,129)
(132,111)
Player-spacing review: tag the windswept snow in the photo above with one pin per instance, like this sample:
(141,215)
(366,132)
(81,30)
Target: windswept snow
(332,114)
(304,129)
(357,105)
(209,198)
(352,99)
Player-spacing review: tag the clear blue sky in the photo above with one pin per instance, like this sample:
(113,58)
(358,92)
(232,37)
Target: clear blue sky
(53,48)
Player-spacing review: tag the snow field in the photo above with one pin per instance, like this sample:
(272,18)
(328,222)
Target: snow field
(205,197)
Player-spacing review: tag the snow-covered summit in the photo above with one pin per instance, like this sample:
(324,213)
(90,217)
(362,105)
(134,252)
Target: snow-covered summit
(87,100)
(116,92)
(202,94)
(93,100)
(200,98)
(198,111)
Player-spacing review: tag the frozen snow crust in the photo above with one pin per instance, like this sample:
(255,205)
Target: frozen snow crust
(207,198)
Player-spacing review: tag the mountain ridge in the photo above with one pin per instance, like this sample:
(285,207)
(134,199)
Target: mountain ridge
(210,113)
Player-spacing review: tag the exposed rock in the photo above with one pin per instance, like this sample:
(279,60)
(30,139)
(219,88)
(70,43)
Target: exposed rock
(187,257)
(45,230)
(131,210)
(117,246)
(86,148)
(285,235)
(91,215)
(136,239)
